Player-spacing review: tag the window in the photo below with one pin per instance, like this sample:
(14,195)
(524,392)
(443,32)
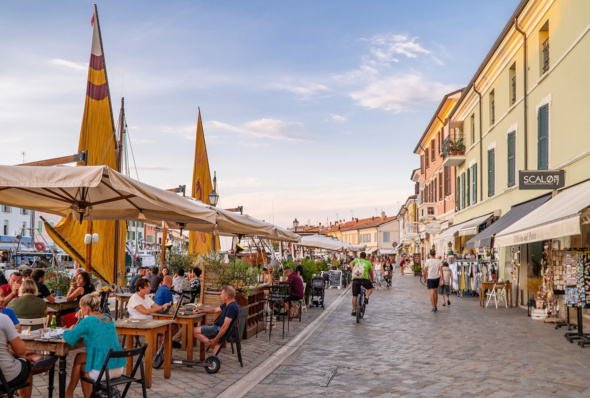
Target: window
(24,212)
(128,235)
(426,157)
(40,226)
(474,178)
(512,80)
(491,172)
(467,185)
(416,188)
(439,142)
(449,189)
(385,237)
(440,186)
(6,209)
(434,187)
(543,141)
(5,227)
(24,230)
(432,150)
(458,194)
(492,109)
(473,129)
(375,237)
(511,158)
(132,235)
(544,49)
(422,164)
(463,190)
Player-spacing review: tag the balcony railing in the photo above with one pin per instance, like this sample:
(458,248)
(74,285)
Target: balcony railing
(546,55)
(411,231)
(454,150)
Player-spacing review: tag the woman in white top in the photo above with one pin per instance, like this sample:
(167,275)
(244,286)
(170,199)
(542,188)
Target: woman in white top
(141,306)
(378,272)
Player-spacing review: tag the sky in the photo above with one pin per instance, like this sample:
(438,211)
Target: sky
(311,110)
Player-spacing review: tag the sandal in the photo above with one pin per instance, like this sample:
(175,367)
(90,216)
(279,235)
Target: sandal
(45,362)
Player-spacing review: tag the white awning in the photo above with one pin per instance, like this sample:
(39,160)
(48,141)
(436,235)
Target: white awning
(472,227)
(371,251)
(557,218)
(387,251)
(464,226)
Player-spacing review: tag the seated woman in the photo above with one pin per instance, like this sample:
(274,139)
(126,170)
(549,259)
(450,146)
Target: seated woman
(100,336)
(141,306)
(28,305)
(78,289)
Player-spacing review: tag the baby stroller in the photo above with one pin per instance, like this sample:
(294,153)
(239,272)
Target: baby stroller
(317,291)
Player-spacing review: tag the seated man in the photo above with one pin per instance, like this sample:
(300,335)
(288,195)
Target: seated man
(230,310)
(163,294)
(11,289)
(141,272)
(44,293)
(296,294)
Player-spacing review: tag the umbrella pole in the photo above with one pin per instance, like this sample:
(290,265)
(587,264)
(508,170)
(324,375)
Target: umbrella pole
(117,257)
(88,262)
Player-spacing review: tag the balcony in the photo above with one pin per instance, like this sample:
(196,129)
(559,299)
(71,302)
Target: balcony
(453,150)
(427,211)
(410,232)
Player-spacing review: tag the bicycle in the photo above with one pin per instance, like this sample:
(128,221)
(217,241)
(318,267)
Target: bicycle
(360,305)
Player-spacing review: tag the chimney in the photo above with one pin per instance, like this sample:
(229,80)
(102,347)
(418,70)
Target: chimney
(356,220)
(372,218)
(383,217)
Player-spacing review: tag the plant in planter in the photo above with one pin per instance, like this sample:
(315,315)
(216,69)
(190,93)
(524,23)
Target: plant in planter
(310,268)
(535,287)
(237,273)
(417,268)
(58,280)
(177,260)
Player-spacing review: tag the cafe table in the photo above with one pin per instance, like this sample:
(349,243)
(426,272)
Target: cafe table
(60,303)
(187,321)
(120,300)
(483,286)
(56,346)
(149,329)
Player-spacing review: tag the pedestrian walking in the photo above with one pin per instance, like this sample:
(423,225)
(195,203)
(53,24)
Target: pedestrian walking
(433,277)
(378,273)
(402,264)
(445,288)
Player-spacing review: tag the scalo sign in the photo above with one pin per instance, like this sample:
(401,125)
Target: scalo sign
(541,179)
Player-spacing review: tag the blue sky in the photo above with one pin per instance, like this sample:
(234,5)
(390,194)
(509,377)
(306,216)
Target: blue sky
(311,109)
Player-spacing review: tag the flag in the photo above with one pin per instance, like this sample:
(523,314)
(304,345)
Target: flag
(200,242)
(98,137)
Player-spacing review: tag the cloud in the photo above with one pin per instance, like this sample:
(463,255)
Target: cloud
(68,64)
(337,118)
(263,128)
(400,93)
(7,140)
(304,91)
(386,47)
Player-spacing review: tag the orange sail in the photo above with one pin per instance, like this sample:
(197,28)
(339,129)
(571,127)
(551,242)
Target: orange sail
(98,137)
(200,242)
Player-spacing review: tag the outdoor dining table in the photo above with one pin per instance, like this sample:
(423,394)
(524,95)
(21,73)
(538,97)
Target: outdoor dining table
(149,329)
(120,300)
(188,321)
(60,303)
(33,342)
(483,286)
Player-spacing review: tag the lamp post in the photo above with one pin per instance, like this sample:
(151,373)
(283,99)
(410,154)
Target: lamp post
(213,199)
(295,224)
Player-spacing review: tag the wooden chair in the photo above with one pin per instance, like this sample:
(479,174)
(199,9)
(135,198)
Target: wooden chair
(106,384)
(34,322)
(8,391)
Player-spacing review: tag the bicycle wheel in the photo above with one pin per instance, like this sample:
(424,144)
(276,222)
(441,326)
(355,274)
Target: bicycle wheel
(359,306)
(422,281)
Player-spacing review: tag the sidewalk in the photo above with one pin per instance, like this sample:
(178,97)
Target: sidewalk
(191,382)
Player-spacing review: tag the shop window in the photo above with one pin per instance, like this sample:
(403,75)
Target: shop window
(544,49)
(492,109)
(474,178)
(543,141)
(491,172)
(511,158)
(512,82)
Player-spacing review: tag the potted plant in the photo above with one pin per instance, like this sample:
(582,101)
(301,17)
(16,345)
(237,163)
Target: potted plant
(417,268)
(535,287)
(457,147)
(237,273)
(58,281)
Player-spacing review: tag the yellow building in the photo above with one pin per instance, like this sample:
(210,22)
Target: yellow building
(526,108)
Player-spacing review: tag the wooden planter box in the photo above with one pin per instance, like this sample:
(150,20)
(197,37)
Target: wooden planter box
(417,273)
(256,310)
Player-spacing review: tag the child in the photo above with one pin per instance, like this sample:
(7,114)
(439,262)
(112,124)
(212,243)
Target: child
(445,288)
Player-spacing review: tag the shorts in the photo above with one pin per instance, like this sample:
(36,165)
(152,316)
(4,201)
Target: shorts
(23,375)
(356,286)
(113,373)
(293,298)
(444,289)
(433,283)
(210,331)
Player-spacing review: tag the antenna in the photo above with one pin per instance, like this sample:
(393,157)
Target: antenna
(23,154)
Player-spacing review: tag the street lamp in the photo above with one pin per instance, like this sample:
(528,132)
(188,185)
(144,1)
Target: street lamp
(213,199)
(295,224)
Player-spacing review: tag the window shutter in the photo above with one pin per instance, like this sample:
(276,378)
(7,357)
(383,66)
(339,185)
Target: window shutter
(511,159)
(491,173)
(543,142)
(434,187)
(440,186)
(474,176)
(467,185)
(463,190)
(426,158)
(458,194)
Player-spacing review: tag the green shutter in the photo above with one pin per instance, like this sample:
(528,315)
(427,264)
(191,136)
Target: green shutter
(458,194)
(463,190)
(474,174)
(543,141)
(467,185)
(511,159)
(491,172)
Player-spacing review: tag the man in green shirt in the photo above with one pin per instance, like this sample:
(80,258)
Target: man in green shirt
(366,281)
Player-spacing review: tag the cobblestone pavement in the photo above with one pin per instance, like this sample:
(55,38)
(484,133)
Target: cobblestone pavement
(192,382)
(401,349)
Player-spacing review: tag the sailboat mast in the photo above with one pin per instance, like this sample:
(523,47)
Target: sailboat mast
(119,153)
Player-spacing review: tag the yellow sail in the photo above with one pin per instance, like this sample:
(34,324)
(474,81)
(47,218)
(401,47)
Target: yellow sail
(200,242)
(97,136)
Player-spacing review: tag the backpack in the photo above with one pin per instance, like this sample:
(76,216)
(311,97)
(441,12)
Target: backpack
(358,271)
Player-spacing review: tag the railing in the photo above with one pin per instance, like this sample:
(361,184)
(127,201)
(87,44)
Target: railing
(546,55)
(411,228)
(513,90)
(454,144)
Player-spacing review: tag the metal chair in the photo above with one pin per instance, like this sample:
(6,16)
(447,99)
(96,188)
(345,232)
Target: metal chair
(107,384)
(7,390)
(234,334)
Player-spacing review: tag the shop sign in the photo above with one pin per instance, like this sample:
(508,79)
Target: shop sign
(417,258)
(433,228)
(541,179)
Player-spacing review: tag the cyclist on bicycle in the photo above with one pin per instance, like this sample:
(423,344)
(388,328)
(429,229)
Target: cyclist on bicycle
(366,281)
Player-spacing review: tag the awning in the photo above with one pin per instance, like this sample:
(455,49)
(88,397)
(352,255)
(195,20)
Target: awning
(464,226)
(557,218)
(484,238)
(371,251)
(387,251)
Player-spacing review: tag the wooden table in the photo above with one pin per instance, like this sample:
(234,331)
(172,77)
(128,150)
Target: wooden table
(483,286)
(150,329)
(61,304)
(55,347)
(122,298)
(189,322)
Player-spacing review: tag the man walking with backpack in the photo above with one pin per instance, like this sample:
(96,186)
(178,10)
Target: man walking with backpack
(362,275)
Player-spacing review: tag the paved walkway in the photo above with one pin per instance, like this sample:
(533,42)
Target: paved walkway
(402,349)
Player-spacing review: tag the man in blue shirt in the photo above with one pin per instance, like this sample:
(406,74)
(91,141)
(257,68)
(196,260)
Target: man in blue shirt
(211,334)
(140,274)
(164,295)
